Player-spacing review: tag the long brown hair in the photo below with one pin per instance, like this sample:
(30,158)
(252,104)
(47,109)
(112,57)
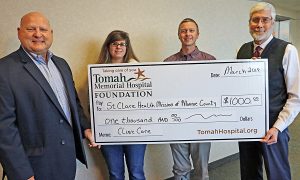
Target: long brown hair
(116,35)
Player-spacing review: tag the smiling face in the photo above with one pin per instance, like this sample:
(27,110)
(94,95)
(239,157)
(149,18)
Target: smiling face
(188,34)
(261,26)
(117,51)
(35,33)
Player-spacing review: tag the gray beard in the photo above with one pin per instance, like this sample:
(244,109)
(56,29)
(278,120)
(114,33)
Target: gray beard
(265,36)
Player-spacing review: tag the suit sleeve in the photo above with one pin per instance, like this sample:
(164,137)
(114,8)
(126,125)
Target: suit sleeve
(12,154)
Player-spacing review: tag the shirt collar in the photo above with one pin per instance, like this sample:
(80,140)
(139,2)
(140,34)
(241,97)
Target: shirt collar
(192,54)
(263,45)
(39,58)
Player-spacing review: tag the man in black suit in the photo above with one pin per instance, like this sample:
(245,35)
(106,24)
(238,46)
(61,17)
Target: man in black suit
(41,120)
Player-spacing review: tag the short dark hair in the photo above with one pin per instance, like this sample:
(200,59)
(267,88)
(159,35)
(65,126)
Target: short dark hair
(188,20)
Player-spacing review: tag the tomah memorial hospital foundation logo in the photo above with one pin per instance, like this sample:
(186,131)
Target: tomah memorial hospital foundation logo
(122,84)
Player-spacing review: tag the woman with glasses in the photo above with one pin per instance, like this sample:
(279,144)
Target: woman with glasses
(117,49)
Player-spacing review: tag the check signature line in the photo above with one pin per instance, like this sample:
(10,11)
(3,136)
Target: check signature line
(214,115)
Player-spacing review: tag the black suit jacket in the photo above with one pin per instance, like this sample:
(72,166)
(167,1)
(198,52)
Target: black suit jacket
(35,136)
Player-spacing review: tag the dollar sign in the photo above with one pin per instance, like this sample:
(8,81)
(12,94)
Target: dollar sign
(226,100)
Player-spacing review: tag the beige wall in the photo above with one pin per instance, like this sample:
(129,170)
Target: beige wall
(80,28)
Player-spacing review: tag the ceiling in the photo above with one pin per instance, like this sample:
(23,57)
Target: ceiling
(293,5)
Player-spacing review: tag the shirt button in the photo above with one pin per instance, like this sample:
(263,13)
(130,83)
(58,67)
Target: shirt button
(63,142)
(61,121)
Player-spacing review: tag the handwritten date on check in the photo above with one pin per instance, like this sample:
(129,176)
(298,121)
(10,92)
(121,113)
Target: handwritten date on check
(152,103)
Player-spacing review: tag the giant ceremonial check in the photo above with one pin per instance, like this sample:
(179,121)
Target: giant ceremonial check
(222,100)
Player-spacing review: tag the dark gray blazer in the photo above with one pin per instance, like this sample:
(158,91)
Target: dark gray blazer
(35,136)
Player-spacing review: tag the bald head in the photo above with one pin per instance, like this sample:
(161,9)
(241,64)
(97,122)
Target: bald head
(35,33)
(33,15)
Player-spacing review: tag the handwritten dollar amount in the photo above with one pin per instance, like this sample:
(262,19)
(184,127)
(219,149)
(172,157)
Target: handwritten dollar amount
(241,100)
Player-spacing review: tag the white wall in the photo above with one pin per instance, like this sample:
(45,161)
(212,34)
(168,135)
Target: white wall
(80,27)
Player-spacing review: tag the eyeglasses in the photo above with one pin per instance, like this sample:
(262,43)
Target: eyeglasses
(115,44)
(263,20)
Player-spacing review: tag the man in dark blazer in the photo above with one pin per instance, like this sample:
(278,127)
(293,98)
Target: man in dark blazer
(41,120)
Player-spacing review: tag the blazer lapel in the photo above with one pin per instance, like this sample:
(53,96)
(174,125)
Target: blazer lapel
(39,77)
(67,79)
(66,75)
